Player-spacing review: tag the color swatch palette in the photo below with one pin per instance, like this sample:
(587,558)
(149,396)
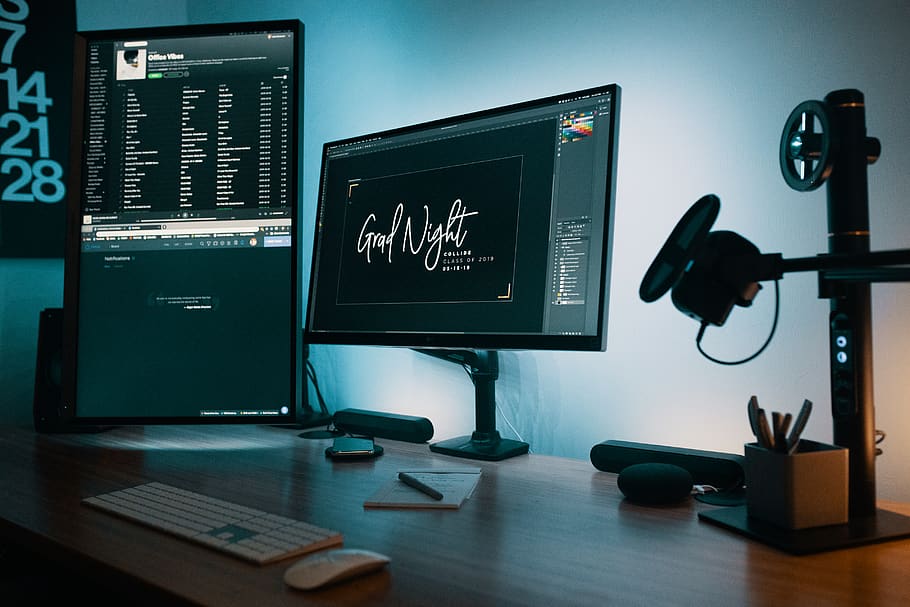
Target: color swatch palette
(577,126)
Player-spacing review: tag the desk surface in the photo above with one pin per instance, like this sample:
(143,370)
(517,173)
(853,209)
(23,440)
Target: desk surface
(538,531)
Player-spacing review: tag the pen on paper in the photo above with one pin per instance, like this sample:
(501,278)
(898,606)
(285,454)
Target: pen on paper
(409,480)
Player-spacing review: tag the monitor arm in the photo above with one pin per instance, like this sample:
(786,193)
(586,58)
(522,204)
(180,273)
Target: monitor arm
(875,266)
(485,443)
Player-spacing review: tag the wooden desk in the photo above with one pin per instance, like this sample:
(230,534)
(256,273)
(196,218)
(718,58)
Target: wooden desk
(538,531)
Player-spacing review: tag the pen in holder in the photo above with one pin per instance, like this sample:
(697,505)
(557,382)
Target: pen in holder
(804,488)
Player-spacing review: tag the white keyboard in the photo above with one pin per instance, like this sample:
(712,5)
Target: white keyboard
(243,532)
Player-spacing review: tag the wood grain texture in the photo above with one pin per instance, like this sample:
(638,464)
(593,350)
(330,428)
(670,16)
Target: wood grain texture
(539,530)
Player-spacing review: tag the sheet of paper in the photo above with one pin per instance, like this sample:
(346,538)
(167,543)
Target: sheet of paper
(456,485)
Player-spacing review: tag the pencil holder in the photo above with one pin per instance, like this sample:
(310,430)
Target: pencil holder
(807,488)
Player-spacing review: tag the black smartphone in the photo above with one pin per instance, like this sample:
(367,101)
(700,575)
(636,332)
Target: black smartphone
(348,447)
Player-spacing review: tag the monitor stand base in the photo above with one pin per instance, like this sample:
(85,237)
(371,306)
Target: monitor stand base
(470,448)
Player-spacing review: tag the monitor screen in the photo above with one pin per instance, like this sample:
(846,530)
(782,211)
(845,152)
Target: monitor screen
(181,299)
(490,230)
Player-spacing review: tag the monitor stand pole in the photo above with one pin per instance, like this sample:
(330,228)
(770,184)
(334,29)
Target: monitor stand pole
(485,443)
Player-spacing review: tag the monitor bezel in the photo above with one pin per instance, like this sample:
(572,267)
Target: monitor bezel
(69,410)
(485,340)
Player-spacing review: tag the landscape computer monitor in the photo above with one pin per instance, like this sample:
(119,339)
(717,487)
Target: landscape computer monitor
(490,230)
(181,300)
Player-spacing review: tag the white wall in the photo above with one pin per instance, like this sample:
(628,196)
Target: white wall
(707,87)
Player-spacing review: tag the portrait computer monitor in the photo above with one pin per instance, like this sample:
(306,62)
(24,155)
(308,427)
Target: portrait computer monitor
(181,301)
(485,231)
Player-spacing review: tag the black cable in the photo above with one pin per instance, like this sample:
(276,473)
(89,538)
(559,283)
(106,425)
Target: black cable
(879,438)
(311,373)
(704,325)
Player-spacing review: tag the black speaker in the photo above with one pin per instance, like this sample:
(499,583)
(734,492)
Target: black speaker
(721,470)
(655,484)
(384,425)
(48,397)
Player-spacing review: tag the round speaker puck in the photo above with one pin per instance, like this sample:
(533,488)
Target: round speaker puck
(654,483)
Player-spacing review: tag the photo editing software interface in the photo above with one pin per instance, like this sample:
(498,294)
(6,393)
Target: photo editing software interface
(489,230)
(186,283)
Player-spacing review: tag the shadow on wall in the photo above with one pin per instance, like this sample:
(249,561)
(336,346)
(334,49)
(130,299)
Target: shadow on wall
(521,411)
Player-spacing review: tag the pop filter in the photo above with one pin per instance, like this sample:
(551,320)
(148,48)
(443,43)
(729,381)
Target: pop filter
(680,248)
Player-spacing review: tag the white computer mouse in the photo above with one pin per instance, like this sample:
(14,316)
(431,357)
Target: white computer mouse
(331,566)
